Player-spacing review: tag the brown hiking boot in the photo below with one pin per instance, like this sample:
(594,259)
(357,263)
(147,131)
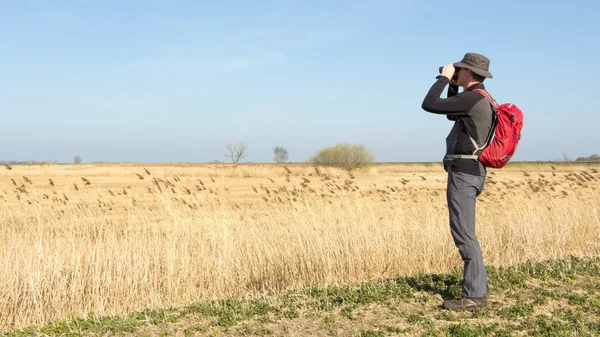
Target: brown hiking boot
(465,303)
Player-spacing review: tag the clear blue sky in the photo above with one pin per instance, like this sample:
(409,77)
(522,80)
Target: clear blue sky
(160,81)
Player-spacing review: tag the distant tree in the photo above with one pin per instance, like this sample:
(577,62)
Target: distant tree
(77,160)
(235,152)
(281,154)
(593,157)
(346,156)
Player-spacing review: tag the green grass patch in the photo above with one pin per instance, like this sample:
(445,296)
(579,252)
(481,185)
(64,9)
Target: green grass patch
(550,298)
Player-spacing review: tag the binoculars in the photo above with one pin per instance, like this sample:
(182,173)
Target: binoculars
(454,78)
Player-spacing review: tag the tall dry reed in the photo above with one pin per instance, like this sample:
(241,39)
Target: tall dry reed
(121,243)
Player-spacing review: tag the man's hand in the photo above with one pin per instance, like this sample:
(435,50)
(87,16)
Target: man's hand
(448,71)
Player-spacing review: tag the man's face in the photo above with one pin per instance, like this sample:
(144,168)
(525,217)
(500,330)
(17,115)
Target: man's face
(461,76)
(464,77)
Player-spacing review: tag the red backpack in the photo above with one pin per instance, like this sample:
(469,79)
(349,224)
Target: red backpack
(505,134)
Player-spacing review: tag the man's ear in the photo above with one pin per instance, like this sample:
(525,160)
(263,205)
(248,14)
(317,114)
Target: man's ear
(470,73)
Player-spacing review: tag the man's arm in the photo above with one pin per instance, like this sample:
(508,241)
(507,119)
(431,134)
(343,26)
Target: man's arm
(454,105)
(452,91)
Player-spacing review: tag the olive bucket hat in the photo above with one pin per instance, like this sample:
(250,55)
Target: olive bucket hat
(477,63)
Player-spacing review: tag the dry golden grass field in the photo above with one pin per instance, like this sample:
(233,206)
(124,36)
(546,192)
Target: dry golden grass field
(114,239)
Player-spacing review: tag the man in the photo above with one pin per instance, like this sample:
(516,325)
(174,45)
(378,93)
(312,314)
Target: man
(473,115)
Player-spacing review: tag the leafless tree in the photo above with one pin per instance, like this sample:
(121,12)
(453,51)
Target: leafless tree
(235,152)
(77,160)
(281,154)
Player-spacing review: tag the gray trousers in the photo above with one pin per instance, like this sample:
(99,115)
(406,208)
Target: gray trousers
(461,194)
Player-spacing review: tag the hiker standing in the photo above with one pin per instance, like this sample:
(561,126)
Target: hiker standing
(473,118)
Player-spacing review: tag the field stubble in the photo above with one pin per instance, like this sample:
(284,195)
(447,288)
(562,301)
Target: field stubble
(112,239)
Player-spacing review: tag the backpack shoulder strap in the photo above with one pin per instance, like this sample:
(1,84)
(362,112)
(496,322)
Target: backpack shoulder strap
(492,132)
(489,98)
